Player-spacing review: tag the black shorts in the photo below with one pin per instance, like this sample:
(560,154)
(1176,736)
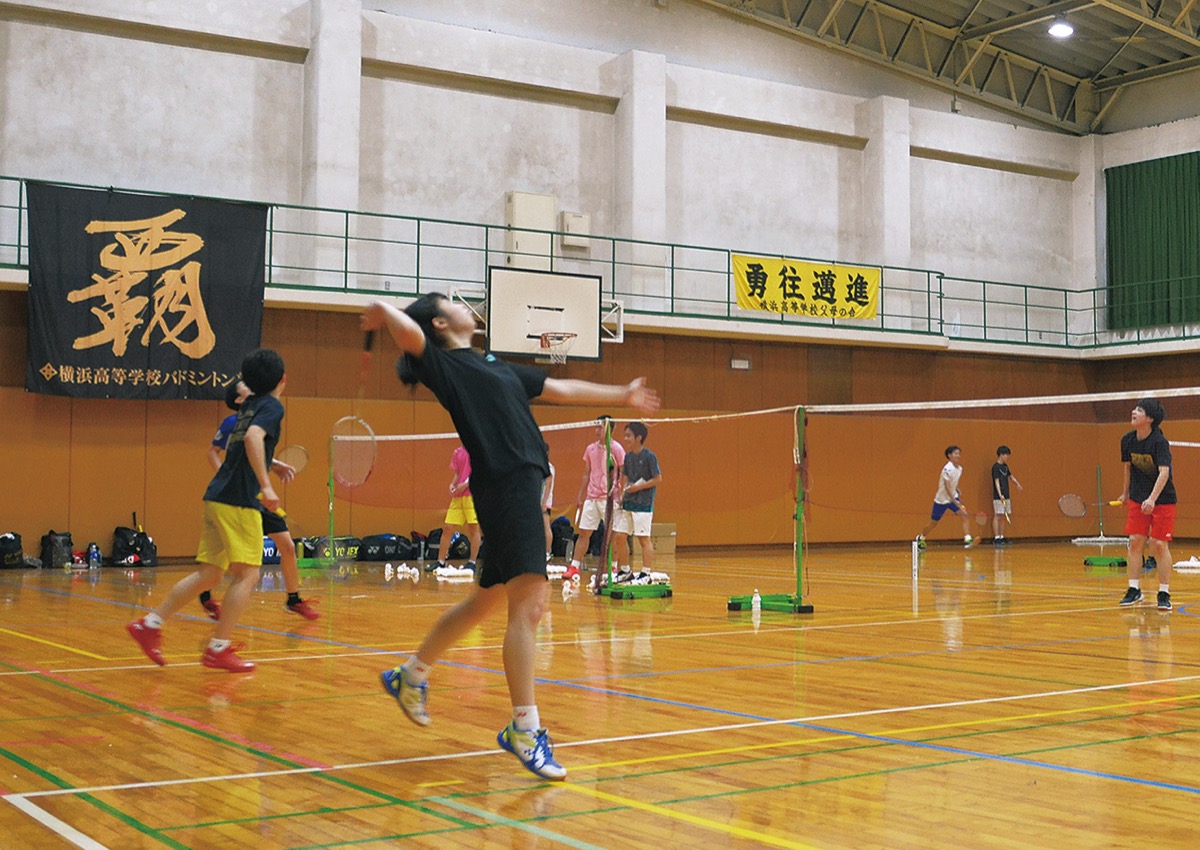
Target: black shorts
(273,523)
(510,517)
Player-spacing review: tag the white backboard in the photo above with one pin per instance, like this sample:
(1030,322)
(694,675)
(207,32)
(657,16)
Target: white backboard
(522,304)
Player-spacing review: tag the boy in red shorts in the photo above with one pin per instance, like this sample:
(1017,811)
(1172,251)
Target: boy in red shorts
(1149,494)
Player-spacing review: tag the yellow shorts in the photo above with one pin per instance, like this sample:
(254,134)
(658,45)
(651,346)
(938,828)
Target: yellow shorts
(231,535)
(461,511)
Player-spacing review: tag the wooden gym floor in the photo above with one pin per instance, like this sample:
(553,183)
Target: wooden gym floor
(1003,700)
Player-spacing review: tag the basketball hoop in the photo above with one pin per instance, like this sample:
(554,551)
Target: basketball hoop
(556,345)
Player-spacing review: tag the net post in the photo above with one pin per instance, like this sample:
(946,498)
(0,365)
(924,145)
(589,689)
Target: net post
(799,457)
(785,602)
(318,561)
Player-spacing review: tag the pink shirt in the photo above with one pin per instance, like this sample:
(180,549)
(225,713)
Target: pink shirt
(460,462)
(594,456)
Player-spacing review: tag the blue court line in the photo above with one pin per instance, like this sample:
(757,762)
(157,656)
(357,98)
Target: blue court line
(941,748)
(325,641)
(831,730)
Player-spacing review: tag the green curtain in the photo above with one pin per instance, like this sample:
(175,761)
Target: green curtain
(1154,242)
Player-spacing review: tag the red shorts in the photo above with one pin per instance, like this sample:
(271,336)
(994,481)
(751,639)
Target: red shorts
(1160,524)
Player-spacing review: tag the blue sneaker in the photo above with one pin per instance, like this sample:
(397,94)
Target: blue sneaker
(411,697)
(534,749)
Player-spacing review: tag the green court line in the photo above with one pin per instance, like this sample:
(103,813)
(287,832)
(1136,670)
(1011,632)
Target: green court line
(181,726)
(148,831)
(524,827)
(759,759)
(461,825)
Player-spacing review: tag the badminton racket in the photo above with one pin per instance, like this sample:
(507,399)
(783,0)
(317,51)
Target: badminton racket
(294,456)
(354,451)
(1074,506)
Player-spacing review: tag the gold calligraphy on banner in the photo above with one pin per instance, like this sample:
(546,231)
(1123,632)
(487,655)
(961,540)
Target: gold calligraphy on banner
(800,288)
(176,305)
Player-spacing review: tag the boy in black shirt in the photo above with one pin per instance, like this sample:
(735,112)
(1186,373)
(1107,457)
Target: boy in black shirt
(488,401)
(1001,503)
(1149,494)
(232,537)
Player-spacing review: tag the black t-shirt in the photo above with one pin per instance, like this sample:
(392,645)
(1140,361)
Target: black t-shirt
(488,400)
(1000,473)
(1144,458)
(235,482)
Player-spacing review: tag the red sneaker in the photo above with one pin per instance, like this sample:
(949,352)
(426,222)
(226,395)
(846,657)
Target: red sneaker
(213,607)
(150,640)
(304,609)
(226,659)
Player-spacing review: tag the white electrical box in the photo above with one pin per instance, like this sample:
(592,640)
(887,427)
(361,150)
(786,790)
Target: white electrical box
(574,226)
(524,212)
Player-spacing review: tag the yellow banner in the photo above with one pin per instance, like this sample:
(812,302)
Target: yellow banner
(816,290)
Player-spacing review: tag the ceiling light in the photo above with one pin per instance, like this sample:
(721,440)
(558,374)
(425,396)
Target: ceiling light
(1061,28)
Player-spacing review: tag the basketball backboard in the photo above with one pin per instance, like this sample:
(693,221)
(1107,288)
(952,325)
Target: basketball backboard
(524,304)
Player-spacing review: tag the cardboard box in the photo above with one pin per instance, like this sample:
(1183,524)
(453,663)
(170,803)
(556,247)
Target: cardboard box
(662,535)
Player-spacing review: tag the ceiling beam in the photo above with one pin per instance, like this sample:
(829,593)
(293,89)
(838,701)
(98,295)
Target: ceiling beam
(1164,70)
(1150,21)
(938,44)
(1026,19)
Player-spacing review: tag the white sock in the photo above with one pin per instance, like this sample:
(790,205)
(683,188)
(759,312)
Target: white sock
(575,563)
(219,645)
(1135,583)
(153,621)
(625,568)
(416,670)
(525,718)
(1162,588)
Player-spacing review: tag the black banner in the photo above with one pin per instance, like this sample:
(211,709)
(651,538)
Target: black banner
(140,296)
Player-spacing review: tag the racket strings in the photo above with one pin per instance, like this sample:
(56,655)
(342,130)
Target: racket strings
(353,452)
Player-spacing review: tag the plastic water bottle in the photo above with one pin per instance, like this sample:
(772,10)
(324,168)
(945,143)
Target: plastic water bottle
(756,602)
(93,556)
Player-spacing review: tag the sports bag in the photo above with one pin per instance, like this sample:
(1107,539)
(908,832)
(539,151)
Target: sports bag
(386,547)
(57,549)
(11,554)
(131,546)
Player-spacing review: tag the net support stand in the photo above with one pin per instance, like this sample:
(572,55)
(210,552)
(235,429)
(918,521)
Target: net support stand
(329,561)
(621,592)
(786,602)
(1102,540)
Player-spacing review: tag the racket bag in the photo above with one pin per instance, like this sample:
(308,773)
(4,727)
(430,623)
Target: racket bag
(131,546)
(343,548)
(386,547)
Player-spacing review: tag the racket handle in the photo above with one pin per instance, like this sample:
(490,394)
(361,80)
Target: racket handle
(279,512)
(368,341)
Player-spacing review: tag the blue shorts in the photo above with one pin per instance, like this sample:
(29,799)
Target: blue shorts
(939,510)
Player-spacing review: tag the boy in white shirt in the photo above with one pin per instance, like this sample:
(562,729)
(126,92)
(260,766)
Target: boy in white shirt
(947,498)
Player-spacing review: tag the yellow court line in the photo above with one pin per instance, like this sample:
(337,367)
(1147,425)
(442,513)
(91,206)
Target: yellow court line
(738,831)
(440,784)
(55,645)
(891,733)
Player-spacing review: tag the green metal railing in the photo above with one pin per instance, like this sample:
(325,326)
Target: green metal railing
(340,251)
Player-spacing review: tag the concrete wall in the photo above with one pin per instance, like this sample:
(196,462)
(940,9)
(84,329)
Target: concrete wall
(678,124)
